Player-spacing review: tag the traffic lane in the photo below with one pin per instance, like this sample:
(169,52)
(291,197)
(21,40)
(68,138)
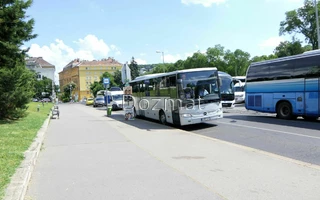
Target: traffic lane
(266,133)
(287,138)
(271,122)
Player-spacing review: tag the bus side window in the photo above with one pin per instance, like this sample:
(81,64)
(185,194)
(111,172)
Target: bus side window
(173,86)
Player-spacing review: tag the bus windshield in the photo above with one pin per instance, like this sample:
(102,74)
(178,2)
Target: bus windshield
(199,84)
(227,85)
(239,88)
(117,97)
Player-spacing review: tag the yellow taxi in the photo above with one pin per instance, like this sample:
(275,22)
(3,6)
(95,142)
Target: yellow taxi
(89,101)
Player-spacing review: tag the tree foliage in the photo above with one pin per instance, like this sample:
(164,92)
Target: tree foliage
(110,76)
(302,20)
(134,69)
(67,91)
(43,86)
(16,81)
(117,78)
(288,48)
(95,87)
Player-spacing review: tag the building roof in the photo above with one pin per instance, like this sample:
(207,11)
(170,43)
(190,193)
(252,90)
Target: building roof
(103,62)
(39,61)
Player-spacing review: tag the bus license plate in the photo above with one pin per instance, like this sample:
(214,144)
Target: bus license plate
(206,119)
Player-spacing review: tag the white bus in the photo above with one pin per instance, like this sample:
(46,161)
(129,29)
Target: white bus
(180,97)
(240,78)
(239,92)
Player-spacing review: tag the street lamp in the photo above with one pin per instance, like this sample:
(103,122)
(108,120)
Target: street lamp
(162,55)
(317,21)
(162,59)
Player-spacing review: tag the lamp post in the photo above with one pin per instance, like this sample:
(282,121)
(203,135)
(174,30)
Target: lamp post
(317,22)
(162,57)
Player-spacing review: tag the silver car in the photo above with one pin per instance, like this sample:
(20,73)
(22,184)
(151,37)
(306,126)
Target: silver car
(99,101)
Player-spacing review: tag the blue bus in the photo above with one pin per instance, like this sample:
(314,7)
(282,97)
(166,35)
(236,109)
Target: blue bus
(287,86)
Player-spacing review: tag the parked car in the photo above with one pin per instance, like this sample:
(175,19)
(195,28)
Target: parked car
(46,100)
(99,101)
(89,101)
(35,100)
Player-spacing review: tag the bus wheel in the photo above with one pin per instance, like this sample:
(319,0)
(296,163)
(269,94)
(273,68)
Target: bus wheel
(135,113)
(284,111)
(162,118)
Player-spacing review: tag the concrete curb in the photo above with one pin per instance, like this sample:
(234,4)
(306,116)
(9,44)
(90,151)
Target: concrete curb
(18,185)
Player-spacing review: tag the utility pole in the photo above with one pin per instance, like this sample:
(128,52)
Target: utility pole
(162,57)
(317,22)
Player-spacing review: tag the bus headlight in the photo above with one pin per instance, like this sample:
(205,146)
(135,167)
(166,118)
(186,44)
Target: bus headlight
(186,115)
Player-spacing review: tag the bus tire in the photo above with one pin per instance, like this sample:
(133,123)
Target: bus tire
(284,110)
(162,118)
(135,113)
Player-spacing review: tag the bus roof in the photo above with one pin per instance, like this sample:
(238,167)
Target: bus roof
(303,55)
(223,74)
(150,76)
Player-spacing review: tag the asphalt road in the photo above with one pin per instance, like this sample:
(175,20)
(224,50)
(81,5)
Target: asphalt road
(296,139)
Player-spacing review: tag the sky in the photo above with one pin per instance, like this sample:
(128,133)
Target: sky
(96,29)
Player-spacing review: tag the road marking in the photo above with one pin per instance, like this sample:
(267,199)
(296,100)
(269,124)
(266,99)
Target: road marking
(272,130)
(280,157)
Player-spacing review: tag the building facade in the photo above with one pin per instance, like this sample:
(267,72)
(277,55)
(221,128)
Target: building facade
(83,73)
(43,69)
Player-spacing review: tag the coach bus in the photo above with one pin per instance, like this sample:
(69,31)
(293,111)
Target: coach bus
(286,86)
(181,97)
(227,90)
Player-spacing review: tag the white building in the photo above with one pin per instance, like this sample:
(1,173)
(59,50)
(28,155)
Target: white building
(42,68)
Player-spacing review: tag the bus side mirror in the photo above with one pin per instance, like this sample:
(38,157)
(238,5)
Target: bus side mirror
(220,82)
(179,81)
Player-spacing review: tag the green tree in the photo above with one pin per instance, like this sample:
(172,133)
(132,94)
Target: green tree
(178,65)
(95,87)
(67,91)
(43,86)
(197,60)
(215,57)
(302,20)
(287,48)
(237,62)
(134,69)
(16,81)
(110,76)
(118,78)
(262,58)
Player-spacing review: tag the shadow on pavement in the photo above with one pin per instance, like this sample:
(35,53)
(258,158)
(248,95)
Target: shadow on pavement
(141,123)
(149,124)
(195,127)
(298,123)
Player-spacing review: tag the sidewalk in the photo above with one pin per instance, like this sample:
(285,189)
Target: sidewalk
(87,155)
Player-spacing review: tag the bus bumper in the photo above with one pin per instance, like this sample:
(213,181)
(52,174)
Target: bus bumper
(200,119)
